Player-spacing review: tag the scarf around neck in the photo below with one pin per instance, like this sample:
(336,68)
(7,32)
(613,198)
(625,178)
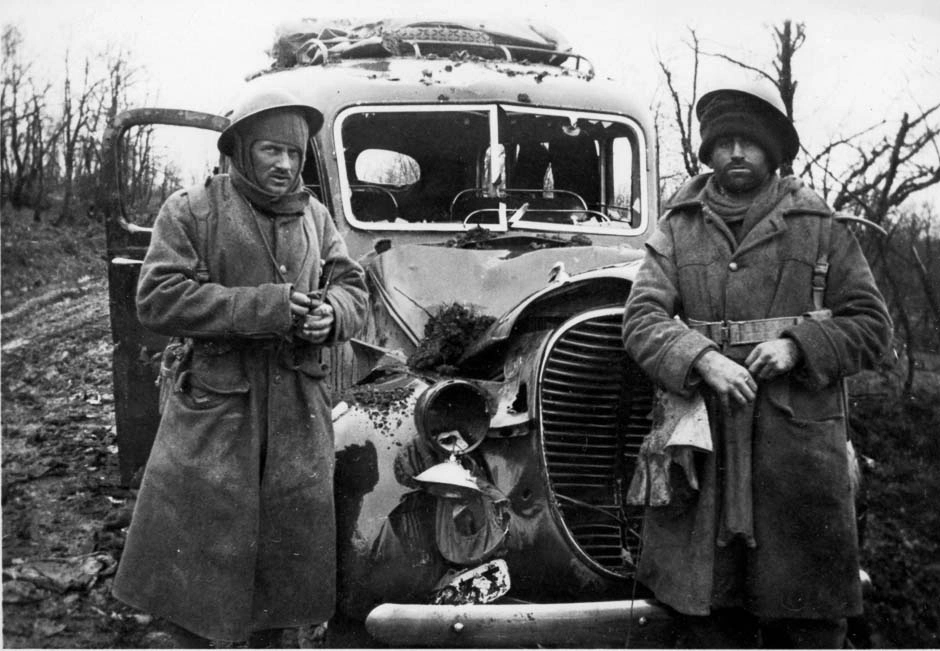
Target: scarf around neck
(742,214)
(292,202)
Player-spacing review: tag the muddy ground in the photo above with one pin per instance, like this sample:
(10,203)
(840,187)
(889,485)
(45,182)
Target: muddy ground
(65,512)
(63,507)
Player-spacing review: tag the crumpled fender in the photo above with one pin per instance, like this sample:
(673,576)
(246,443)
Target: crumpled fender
(500,330)
(411,280)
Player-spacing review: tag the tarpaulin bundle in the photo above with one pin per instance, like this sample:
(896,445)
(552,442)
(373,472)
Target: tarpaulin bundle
(309,41)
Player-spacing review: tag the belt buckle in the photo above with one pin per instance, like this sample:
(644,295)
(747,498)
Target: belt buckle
(724,330)
(730,333)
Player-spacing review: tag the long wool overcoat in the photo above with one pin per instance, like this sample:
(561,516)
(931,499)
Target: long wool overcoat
(233,530)
(805,563)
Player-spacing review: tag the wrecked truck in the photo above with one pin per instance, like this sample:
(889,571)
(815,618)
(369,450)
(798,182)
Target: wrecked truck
(487,420)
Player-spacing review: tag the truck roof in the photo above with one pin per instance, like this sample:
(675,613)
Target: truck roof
(410,80)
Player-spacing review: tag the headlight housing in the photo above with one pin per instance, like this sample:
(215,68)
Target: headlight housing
(453,415)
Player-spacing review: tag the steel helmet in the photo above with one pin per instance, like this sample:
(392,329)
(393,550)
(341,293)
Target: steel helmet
(256,102)
(751,111)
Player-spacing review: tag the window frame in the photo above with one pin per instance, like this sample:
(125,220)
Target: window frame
(497,115)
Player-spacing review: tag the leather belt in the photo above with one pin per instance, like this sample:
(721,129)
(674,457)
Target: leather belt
(742,333)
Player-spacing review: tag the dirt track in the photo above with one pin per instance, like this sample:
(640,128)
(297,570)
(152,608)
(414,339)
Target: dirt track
(63,509)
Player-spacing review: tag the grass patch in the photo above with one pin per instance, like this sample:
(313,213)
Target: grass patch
(901,491)
(39,256)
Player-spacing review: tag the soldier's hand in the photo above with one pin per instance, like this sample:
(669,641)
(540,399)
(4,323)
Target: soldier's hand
(316,326)
(300,304)
(727,378)
(772,358)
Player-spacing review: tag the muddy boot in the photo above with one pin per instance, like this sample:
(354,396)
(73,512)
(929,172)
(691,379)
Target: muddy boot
(170,636)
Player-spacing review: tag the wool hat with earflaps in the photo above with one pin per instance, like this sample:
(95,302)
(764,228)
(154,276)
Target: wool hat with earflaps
(732,112)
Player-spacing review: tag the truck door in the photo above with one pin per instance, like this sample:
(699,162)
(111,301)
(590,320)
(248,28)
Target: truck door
(148,154)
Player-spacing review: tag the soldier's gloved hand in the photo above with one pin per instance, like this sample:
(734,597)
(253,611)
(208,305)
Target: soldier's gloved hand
(772,358)
(727,378)
(315,327)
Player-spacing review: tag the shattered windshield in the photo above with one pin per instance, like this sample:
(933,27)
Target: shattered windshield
(500,168)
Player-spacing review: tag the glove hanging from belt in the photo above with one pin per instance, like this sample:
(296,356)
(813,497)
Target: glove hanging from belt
(735,446)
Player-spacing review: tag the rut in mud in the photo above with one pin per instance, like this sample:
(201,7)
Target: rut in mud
(64,512)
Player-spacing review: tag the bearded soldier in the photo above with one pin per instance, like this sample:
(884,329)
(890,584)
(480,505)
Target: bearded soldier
(233,533)
(776,306)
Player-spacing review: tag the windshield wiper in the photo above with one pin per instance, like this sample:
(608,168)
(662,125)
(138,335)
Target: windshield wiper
(519,214)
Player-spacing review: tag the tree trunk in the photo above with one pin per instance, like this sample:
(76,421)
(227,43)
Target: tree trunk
(932,302)
(66,216)
(905,323)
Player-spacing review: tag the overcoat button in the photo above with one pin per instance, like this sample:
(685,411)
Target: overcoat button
(283,269)
(733,266)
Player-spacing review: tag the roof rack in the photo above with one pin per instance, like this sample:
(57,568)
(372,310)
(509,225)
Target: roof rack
(311,43)
(510,52)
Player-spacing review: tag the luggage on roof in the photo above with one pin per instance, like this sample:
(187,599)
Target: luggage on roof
(309,41)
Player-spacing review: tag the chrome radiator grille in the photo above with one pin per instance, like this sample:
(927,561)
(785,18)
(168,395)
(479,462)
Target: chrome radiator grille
(595,409)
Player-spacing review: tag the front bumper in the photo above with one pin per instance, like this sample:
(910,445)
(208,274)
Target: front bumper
(635,623)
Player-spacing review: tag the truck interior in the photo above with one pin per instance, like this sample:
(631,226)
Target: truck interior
(447,168)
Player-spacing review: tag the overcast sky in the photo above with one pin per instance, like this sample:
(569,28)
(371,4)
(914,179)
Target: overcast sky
(863,61)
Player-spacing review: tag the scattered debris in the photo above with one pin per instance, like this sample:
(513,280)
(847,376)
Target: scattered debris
(62,574)
(20,592)
(48,628)
(385,404)
(468,238)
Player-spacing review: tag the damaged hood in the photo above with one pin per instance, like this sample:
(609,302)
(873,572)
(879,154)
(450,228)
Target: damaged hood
(413,281)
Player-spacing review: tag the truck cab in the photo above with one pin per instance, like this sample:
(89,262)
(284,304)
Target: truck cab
(492,184)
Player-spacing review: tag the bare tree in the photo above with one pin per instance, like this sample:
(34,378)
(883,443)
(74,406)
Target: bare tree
(885,174)
(684,111)
(14,152)
(788,38)
(76,113)
(42,140)
(120,77)
(42,150)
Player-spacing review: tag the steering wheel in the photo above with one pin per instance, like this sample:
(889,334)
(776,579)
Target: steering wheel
(376,189)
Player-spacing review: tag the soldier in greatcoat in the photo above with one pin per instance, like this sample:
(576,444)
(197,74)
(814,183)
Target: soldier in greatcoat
(777,306)
(233,532)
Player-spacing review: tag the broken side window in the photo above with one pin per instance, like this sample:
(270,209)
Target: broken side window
(156,160)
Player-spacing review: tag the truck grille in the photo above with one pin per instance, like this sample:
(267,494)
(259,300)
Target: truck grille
(595,408)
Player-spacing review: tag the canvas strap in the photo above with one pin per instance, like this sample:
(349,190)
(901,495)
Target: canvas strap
(742,333)
(200,207)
